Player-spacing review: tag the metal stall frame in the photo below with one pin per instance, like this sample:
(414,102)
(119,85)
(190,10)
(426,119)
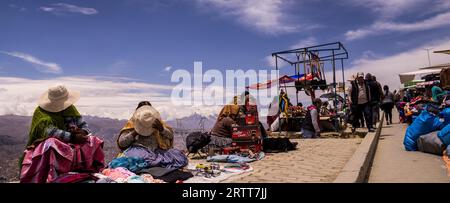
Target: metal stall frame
(335,52)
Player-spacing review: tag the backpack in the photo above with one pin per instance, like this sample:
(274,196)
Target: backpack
(196,141)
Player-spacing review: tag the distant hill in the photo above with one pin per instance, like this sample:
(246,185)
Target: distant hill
(14,134)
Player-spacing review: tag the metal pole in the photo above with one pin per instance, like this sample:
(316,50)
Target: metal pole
(278,96)
(343,82)
(334,85)
(428,52)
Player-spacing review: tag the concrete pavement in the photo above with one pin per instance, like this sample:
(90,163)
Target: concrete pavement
(393,164)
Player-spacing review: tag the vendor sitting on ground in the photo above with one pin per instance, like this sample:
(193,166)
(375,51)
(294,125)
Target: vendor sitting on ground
(146,136)
(59,140)
(310,128)
(222,131)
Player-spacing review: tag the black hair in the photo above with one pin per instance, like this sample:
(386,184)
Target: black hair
(143,103)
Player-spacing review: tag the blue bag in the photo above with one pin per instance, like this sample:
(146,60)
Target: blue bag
(444,135)
(425,123)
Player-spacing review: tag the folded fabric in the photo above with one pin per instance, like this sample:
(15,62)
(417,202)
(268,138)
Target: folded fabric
(133,164)
(171,158)
(136,179)
(105,180)
(119,174)
(74,178)
(229,159)
(156,171)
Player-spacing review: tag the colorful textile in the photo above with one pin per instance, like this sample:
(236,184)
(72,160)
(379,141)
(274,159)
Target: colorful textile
(43,119)
(228,111)
(172,158)
(53,157)
(118,174)
(75,178)
(133,164)
(229,159)
(437,93)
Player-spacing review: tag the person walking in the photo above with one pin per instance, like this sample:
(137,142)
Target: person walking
(388,104)
(376,94)
(359,101)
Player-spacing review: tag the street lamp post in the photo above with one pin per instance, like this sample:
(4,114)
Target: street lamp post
(428,51)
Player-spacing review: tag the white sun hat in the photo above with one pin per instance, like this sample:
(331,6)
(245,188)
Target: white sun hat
(144,118)
(58,98)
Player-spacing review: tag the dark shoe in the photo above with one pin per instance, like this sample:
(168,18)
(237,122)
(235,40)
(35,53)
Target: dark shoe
(371,130)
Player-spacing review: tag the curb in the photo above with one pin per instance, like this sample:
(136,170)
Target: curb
(358,167)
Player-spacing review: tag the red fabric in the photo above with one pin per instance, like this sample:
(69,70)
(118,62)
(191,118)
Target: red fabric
(53,157)
(74,178)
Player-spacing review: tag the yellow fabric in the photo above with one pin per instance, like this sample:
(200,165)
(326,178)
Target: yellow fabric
(228,111)
(163,142)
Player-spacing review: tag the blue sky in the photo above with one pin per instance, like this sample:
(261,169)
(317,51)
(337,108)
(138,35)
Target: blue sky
(139,39)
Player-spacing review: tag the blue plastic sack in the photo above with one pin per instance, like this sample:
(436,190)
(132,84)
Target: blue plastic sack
(445,114)
(423,124)
(444,135)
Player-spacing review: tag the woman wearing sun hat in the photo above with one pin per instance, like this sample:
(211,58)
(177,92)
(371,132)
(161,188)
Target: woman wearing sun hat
(59,140)
(146,136)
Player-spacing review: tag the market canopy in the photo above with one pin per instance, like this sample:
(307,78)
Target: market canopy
(282,80)
(406,77)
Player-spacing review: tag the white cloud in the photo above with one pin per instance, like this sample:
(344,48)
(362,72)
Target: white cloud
(381,27)
(310,41)
(168,68)
(100,96)
(42,66)
(387,9)
(267,16)
(387,68)
(62,8)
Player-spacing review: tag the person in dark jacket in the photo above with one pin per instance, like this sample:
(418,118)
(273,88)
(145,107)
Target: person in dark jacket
(359,100)
(376,93)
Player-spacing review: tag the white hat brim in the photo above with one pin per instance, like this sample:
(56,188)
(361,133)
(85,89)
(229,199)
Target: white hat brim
(58,105)
(145,128)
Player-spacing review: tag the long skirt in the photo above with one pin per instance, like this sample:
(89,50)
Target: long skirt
(52,157)
(171,158)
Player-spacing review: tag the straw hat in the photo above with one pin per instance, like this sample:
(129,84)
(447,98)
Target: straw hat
(143,119)
(58,98)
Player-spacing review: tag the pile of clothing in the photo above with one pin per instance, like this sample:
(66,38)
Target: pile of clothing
(139,170)
(430,131)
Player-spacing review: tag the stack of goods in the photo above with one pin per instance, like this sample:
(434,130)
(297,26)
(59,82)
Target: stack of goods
(430,131)
(296,111)
(246,132)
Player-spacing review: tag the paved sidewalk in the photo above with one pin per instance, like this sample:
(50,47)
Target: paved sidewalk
(393,164)
(316,160)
